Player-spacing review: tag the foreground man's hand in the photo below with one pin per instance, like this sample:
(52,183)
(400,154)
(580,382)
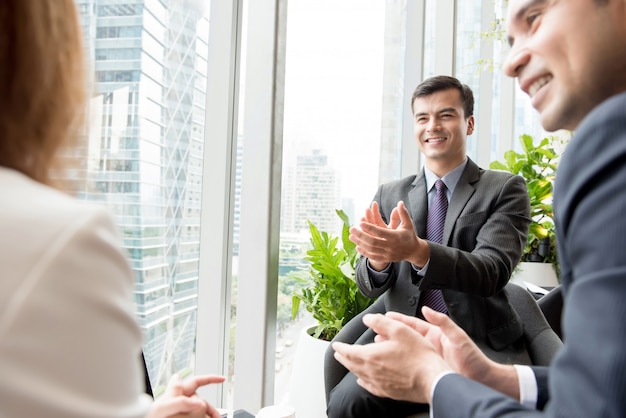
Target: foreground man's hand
(409,353)
(401,364)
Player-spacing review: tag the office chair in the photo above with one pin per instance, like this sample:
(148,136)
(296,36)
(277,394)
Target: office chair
(146,376)
(551,305)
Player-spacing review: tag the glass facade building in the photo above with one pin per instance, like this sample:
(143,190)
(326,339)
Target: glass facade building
(146,143)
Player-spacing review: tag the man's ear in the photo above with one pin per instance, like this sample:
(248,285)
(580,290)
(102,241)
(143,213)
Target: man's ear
(470,125)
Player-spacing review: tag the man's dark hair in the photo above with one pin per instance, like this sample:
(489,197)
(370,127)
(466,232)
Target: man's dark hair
(444,82)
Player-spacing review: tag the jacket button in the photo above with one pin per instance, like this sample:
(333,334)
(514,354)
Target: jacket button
(412,301)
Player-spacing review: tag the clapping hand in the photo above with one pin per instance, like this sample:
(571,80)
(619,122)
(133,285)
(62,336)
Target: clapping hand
(382,243)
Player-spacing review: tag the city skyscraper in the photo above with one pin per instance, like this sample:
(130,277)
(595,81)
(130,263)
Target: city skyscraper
(311,191)
(145,148)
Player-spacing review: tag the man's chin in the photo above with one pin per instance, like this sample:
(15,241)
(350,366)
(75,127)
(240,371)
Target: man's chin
(551,116)
(548,123)
(555,119)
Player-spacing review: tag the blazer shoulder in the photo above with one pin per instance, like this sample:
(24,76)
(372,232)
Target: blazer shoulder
(403,183)
(41,216)
(612,107)
(474,174)
(494,178)
(397,189)
(602,134)
(607,120)
(24,198)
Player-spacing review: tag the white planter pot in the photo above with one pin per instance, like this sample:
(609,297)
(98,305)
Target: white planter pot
(306,392)
(539,274)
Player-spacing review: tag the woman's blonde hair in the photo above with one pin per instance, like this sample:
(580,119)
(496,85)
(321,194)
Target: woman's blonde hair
(42,83)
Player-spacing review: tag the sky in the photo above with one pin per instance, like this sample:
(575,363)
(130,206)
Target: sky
(333,88)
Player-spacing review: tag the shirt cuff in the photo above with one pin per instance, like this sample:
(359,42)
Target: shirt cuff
(528,391)
(433,386)
(421,270)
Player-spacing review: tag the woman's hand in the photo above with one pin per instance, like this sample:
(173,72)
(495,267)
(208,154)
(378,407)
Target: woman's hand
(180,399)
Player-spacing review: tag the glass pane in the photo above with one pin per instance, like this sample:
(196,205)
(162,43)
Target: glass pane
(496,39)
(429,39)
(467,59)
(526,118)
(144,161)
(343,84)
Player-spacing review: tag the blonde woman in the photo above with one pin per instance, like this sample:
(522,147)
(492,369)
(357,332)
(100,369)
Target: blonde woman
(69,343)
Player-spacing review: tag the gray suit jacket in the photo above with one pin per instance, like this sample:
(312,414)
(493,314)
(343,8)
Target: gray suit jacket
(484,235)
(588,376)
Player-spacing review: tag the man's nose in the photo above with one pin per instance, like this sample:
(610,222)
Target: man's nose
(433,125)
(515,61)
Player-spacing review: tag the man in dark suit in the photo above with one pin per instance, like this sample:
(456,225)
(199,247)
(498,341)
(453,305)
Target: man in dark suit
(485,229)
(570,58)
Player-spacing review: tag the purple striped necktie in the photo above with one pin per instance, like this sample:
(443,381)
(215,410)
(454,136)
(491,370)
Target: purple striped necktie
(434,232)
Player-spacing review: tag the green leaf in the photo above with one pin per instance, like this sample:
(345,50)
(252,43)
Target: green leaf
(537,165)
(330,292)
(497,165)
(527,143)
(295,306)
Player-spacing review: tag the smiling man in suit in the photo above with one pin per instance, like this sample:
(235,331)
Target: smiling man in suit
(449,237)
(570,58)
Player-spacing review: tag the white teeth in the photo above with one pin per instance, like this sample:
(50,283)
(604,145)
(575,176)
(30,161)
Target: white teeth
(538,84)
(430,140)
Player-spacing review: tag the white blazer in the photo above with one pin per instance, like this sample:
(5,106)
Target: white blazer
(69,342)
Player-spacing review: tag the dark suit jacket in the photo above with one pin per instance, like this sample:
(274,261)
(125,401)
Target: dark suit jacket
(484,235)
(588,376)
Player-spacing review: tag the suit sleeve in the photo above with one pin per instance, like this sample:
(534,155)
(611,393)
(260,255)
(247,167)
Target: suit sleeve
(483,266)
(75,343)
(456,396)
(368,284)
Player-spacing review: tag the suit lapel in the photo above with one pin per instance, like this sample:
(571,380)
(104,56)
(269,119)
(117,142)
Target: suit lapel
(418,204)
(462,194)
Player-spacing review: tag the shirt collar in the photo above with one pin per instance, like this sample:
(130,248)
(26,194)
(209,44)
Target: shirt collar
(450,179)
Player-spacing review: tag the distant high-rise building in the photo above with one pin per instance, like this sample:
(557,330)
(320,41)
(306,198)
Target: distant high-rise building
(145,151)
(311,191)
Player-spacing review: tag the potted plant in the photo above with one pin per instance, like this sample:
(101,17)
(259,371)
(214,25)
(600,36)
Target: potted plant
(537,165)
(330,291)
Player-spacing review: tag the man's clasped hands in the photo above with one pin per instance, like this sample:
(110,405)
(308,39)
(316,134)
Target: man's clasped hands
(428,349)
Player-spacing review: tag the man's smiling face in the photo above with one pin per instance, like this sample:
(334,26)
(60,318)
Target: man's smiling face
(568,55)
(441,128)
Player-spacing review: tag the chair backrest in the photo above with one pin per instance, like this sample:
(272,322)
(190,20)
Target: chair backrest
(146,376)
(552,306)
(541,340)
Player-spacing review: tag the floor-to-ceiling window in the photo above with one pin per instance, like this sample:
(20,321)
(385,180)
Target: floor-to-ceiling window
(343,89)
(326,95)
